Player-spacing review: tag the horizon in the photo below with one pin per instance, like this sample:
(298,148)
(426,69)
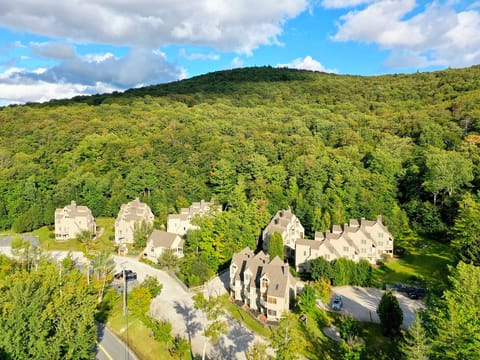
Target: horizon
(53,51)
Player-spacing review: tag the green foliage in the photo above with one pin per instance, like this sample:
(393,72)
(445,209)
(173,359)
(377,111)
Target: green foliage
(153,285)
(416,345)
(348,272)
(456,319)
(213,308)
(138,300)
(275,246)
(390,314)
(466,231)
(162,331)
(286,340)
(307,299)
(141,232)
(258,351)
(168,259)
(320,268)
(46,316)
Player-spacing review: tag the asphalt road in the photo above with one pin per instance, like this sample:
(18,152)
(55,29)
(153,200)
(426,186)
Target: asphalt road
(109,347)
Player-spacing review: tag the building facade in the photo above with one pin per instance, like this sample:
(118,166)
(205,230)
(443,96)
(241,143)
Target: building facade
(263,285)
(288,225)
(71,220)
(364,239)
(159,241)
(130,215)
(181,223)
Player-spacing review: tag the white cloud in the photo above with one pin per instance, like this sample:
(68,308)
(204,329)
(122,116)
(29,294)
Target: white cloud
(198,56)
(225,25)
(88,74)
(53,50)
(236,63)
(340,4)
(434,35)
(307,63)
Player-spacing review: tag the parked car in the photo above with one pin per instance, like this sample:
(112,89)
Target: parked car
(337,302)
(129,275)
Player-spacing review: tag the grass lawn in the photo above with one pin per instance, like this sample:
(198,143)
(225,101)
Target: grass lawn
(244,317)
(140,339)
(424,259)
(103,243)
(378,347)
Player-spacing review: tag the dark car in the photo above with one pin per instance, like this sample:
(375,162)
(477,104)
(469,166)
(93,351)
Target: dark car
(129,275)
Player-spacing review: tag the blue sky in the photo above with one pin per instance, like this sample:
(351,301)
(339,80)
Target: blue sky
(57,49)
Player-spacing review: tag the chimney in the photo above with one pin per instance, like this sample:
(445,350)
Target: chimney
(73,203)
(281,213)
(379,218)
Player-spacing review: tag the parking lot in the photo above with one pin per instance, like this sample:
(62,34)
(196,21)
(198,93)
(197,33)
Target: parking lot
(362,303)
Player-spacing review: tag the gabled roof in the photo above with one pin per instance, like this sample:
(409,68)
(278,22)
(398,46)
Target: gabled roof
(72,211)
(313,244)
(160,238)
(135,210)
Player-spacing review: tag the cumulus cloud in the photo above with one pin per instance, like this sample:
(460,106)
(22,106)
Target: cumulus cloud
(225,25)
(53,50)
(434,35)
(90,74)
(307,63)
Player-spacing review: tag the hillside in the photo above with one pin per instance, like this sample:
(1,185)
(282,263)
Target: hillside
(332,147)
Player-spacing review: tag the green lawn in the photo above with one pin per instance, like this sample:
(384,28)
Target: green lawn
(424,259)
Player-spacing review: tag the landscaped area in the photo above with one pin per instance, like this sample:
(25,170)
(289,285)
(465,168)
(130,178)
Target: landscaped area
(424,261)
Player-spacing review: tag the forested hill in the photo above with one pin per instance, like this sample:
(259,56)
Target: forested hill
(332,147)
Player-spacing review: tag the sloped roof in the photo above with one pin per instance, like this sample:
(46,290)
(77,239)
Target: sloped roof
(73,210)
(160,238)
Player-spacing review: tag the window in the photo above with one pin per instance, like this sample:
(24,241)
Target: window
(304,253)
(271,312)
(364,251)
(264,282)
(364,242)
(380,235)
(272,300)
(380,243)
(152,249)
(345,249)
(327,256)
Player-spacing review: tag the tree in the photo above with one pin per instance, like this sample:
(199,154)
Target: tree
(416,345)
(103,267)
(162,331)
(86,238)
(258,351)
(447,171)
(286,341)
(307,299)
(275,246)
(139,300)
(168,259)
(216,325)
(141,232)
(456,319)
(321,268)
(46,316)
(390,314)
(153,285)
(182,347)
(466,231)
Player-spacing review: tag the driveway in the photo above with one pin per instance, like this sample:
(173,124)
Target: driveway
(175,305)
(362,304)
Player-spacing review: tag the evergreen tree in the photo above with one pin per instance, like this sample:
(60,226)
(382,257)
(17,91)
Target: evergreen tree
(458,321)
(275,246)
(466,231)
(390,314)
(285,339)
(415,344)
(321,268)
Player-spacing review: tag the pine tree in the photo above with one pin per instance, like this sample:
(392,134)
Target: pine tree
(390,314)
(415,345)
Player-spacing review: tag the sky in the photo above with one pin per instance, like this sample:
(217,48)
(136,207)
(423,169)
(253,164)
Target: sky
(54,49)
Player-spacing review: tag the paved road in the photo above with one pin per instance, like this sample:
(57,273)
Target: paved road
(110,347)
(175,305)
(362,304)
